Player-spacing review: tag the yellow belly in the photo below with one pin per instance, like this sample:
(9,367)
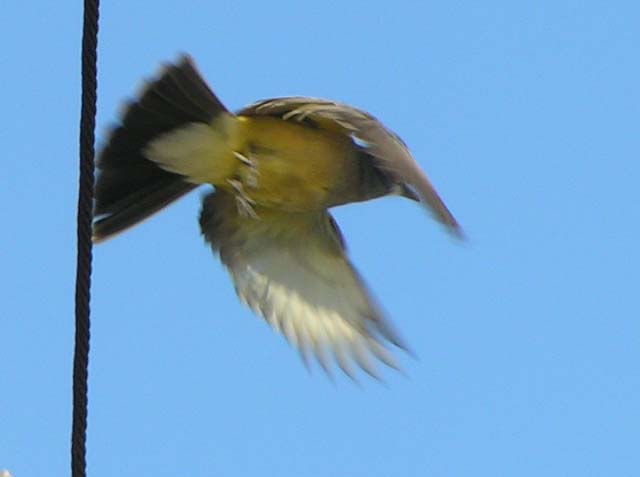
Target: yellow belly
(297,167)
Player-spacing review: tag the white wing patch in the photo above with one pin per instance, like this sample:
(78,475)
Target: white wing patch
(316,300)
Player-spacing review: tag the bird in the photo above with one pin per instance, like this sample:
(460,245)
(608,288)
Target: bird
(276,166)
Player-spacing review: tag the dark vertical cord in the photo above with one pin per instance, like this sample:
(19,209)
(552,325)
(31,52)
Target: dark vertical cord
(85,217)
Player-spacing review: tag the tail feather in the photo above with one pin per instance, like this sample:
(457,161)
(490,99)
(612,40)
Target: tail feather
(130,187)
(139,206)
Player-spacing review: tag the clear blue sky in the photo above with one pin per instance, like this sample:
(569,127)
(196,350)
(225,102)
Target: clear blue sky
(525,115)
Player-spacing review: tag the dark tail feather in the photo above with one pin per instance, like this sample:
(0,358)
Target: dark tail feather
(129,187)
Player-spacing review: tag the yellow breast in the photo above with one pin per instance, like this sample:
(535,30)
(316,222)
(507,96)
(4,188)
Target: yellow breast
(296,167)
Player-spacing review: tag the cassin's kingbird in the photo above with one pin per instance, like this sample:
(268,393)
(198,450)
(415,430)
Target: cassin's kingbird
(277,166)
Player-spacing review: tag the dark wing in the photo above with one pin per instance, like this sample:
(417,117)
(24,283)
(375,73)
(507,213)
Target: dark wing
(390,153)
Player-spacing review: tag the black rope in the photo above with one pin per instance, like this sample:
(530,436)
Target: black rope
(85,217)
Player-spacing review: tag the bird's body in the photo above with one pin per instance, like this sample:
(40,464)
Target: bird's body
(310,173)
(277,166)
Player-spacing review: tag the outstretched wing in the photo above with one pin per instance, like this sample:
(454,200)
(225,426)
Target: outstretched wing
(390,153)
(291,269)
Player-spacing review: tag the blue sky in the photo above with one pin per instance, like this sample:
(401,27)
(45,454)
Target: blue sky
(525,116)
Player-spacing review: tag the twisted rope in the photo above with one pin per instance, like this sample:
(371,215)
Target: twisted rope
(85,217)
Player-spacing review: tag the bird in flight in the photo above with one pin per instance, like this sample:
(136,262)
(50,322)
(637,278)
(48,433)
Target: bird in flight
(276,167)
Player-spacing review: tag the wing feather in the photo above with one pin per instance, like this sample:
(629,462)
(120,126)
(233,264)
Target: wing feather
(390,153)
(292,270)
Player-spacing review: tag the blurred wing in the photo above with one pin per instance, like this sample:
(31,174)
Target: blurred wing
(291,269)
(390,153)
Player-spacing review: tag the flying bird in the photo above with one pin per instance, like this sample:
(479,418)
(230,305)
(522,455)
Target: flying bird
(276,167)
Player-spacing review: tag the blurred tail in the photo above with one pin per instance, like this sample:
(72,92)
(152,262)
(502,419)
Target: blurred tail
(130,187)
